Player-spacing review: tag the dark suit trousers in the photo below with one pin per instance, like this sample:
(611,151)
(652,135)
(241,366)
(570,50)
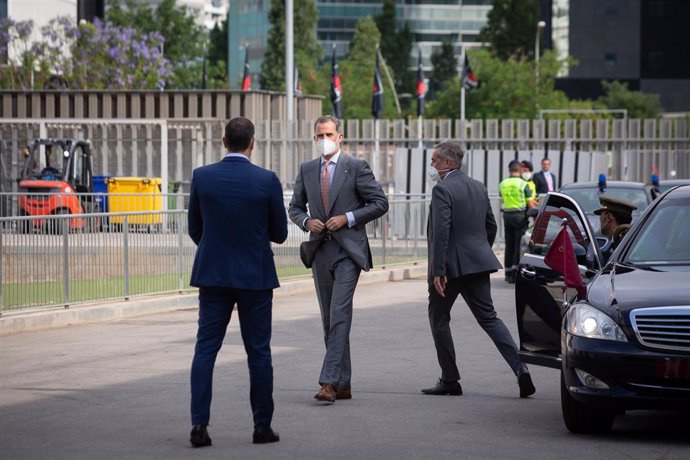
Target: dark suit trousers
(475,289)
(514,226)
(254,310)
(335,279)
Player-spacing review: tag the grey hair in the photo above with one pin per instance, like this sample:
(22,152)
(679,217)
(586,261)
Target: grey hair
(326,119)
(451,151)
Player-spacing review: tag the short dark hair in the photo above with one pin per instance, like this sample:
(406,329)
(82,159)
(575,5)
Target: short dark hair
(239,133)
(451,151)
(514,166)
(325,119)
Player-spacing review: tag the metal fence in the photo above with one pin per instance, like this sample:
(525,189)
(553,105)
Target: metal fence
(171,148)
(62,260)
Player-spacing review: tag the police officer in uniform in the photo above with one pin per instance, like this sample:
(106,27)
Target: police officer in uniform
(615,216)
(517,198)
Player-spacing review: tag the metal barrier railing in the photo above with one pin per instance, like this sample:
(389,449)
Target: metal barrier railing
(66,259)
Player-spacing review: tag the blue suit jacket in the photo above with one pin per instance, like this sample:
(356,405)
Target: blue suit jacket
(235,210)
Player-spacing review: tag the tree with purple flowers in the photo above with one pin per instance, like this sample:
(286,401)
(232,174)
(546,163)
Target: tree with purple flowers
(88,56)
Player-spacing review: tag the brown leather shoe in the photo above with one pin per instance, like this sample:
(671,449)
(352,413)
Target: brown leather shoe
(343,393)
(326,393)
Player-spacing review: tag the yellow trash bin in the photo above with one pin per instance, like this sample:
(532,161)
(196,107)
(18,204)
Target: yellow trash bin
(132,194)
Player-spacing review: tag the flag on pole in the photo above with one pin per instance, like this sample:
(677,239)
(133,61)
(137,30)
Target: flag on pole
(296,82)
(469,79)
(247,79)
(377,90)
(336,88)
(561,257)
(421,86)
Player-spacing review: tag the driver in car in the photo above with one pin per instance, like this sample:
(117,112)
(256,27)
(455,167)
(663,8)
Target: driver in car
(615,216)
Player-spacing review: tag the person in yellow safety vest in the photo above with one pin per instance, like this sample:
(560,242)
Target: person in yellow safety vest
(517,197)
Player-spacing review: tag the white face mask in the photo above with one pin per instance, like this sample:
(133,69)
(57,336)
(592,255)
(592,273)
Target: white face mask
(435,174)
(526,175)
(325,147)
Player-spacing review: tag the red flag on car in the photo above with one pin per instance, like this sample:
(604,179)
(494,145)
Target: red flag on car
(561,257)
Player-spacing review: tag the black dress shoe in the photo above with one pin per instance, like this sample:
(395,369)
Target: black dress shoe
(265,435)
(444,388)
(526,385)
(199,436)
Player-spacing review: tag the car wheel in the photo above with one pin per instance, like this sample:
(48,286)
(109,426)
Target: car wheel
(59,226)
(583,418)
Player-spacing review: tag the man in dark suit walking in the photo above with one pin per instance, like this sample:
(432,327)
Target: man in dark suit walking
(461,231)
(343,196)
(545,180)
(235,210)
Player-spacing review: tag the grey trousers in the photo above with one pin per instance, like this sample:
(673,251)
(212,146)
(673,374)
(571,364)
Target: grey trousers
(475,289)
(335,279)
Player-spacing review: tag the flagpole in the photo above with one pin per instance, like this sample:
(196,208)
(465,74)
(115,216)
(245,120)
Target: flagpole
(462,86)
(419,132)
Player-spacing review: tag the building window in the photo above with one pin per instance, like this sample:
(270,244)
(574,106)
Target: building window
(656,60)
(610,59)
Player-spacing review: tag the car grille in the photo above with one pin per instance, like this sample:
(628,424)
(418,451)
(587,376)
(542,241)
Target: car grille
(662,327)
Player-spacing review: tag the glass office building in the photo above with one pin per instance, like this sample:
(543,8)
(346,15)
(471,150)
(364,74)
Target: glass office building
(432,22)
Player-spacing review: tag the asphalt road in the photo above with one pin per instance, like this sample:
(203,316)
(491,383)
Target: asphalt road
(120,390)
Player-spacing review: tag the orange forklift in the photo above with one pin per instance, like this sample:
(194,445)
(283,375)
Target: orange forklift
(56,174)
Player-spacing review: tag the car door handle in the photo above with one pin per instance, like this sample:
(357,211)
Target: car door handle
(528,273)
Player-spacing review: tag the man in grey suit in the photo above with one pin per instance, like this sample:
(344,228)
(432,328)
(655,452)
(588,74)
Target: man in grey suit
(343,196)
(460,233)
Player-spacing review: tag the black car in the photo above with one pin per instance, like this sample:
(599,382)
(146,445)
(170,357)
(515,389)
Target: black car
(587,196)
(626,343)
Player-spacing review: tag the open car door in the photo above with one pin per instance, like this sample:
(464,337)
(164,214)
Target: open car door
(540,294)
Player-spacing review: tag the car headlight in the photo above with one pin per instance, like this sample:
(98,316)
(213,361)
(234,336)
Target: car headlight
(586,321)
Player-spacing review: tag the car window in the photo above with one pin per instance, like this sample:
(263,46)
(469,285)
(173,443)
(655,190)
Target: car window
(665,238)
(549,224)
(588,198)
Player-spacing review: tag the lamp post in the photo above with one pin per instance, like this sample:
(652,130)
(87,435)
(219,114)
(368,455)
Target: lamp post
(540,26)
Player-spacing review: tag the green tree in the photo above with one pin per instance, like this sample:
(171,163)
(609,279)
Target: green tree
(507,90)
(184,38)
(217,56)
(638,104)
(445,66)
(511,28)
(306,48)
(396,46)
(357,73)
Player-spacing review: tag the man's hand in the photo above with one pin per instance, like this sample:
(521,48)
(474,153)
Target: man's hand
(440,285)
(335,223)
(315,226)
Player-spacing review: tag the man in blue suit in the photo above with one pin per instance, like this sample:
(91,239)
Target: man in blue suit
(235,210)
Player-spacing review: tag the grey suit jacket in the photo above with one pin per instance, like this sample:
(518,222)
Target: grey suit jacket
(353,189)
(461,228)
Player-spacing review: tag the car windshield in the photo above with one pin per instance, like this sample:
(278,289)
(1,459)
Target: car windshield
(665,238)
